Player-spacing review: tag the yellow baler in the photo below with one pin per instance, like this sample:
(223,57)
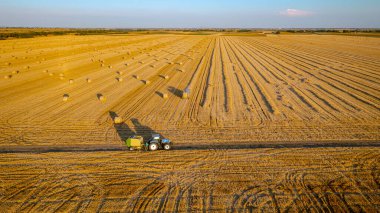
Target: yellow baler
(135,142)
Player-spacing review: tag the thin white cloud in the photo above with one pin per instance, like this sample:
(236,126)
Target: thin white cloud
(296,13)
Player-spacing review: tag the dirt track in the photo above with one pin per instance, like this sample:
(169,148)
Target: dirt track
(191,147)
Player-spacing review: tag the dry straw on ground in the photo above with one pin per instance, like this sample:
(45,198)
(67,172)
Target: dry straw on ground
(247,92)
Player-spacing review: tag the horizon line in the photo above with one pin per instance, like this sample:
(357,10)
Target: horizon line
(199,28)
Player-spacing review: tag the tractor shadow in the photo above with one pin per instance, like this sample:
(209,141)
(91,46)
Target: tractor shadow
(175,91)
(122,129)
(143,130)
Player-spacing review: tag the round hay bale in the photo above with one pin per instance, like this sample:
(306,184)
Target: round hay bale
(65,97)
(61,77)
(61,74)
(51,74)
(102,65)
(166,77)
(101,98)
(118,120)
(126,64)
(46,71)
(165,96)
(119,79)
(137,77)
(15,72)
(110,66)
(185,95)
(88,80)
(171,63)
(146,82)
(119,72)
(8,76)
(71,81)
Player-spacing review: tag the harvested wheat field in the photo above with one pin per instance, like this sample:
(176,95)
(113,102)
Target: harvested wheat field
(249,89)
(259,123)
(238,180)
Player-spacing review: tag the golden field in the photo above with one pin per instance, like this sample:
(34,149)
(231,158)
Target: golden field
(271,123)
(238,180)
(248,89)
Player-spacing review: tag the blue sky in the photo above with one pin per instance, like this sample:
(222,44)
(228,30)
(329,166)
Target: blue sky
(190,13)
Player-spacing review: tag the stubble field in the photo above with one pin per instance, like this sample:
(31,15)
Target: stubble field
(272,123)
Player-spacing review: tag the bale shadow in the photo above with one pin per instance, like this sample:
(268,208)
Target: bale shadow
(160,94)
(175,91)
(143,130)
(122,129)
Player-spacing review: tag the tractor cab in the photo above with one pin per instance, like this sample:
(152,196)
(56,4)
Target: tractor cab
(155,137)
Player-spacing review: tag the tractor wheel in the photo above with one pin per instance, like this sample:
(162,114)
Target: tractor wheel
(153,147)
(167,146)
